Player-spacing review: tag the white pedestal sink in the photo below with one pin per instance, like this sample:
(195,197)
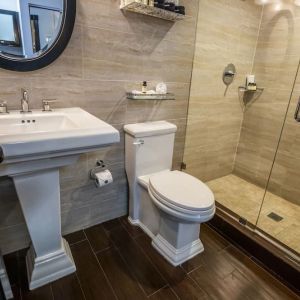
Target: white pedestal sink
(33,146)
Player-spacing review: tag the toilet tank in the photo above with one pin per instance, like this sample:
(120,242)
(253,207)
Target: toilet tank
(148,148)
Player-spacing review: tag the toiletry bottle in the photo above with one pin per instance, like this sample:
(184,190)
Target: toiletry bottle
(144,87)
(250,83)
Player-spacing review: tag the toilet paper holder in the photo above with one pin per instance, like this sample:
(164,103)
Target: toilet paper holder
(100,166)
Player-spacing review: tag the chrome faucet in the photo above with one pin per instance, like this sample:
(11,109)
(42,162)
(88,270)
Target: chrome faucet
(25,101)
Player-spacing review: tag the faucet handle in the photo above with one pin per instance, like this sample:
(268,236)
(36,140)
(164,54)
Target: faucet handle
(3,107)
(47,102)
(24,93)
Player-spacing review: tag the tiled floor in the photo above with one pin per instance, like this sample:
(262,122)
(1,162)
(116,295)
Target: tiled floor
(116,261)
(245,199)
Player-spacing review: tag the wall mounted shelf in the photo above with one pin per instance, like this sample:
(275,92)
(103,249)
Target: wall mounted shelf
(152,11)
(243,89)
(248,97)
(168,96)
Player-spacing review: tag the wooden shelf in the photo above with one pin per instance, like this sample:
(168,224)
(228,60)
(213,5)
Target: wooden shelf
(152,11)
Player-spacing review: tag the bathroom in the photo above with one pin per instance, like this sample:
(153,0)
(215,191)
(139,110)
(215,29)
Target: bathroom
(241,143)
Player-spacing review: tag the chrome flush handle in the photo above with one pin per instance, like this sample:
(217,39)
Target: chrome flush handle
(139,143)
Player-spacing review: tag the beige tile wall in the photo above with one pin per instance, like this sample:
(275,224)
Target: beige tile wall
(275,66)
(285,177)
(227,32)
(110,53)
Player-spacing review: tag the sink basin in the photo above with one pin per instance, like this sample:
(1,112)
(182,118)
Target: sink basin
(33,146)
(48,133)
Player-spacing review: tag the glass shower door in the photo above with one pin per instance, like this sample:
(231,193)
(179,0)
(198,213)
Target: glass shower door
(279,217)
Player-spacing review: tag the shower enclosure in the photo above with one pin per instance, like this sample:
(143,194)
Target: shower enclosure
(244,144)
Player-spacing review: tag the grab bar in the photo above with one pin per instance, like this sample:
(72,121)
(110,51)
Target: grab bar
(296,116)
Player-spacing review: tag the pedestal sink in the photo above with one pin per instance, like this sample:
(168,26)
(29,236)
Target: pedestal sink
(33,146)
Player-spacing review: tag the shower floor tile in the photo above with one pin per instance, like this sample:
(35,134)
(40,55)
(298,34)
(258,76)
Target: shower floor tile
(245,199)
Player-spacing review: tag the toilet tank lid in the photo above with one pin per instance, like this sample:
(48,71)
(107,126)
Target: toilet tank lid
(150,128)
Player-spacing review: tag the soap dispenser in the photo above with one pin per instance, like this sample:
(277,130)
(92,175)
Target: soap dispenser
(250,83)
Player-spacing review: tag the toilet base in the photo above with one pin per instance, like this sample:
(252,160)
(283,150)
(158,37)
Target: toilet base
(142,226)
(176,256)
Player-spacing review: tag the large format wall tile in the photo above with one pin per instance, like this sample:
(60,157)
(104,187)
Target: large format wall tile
(110,52)
(227,32)
(275,65)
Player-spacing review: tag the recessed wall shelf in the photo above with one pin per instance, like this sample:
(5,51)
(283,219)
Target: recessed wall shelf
(148,10)
(168,96)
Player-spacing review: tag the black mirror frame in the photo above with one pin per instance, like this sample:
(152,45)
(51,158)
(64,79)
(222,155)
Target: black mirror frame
(54,52)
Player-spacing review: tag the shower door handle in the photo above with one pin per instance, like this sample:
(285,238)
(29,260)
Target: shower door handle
(297,117)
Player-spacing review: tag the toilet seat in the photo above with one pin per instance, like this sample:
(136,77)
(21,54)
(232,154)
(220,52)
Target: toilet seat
(181,191)
(190,216)
(182,196)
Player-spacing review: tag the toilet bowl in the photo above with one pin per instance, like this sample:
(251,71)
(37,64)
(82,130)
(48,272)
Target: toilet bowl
(168,205)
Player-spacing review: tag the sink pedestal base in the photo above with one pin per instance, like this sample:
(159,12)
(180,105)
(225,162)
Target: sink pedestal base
(42,270)
(49,257)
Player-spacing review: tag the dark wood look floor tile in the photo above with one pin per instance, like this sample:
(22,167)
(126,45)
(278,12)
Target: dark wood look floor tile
(181,283)
(44,292)
(118,235)
(234,286)
(213,243)
(98,238)
(75,237)
(257,274)
(11,264)
(143,269)
(273,285)
(128,267)
(134,231)
(92,279)
(216,261)
(110,225)
(67,288)
(16,292)
(121,278)
(212,239)
(165,293)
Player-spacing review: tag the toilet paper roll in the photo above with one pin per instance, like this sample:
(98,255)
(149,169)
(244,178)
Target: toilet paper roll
(103,178)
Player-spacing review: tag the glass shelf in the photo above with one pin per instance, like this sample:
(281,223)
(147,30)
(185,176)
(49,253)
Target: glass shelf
(245,90)
(168,96)
(151,11)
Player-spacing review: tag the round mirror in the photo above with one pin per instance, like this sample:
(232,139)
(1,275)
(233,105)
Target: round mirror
(33,33)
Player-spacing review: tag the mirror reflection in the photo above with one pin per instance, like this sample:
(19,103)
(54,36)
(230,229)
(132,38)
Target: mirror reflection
(28,28)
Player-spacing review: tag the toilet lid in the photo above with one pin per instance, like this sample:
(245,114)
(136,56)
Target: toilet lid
(182,190)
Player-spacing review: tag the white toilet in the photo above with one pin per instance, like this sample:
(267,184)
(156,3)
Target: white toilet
(168,205)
